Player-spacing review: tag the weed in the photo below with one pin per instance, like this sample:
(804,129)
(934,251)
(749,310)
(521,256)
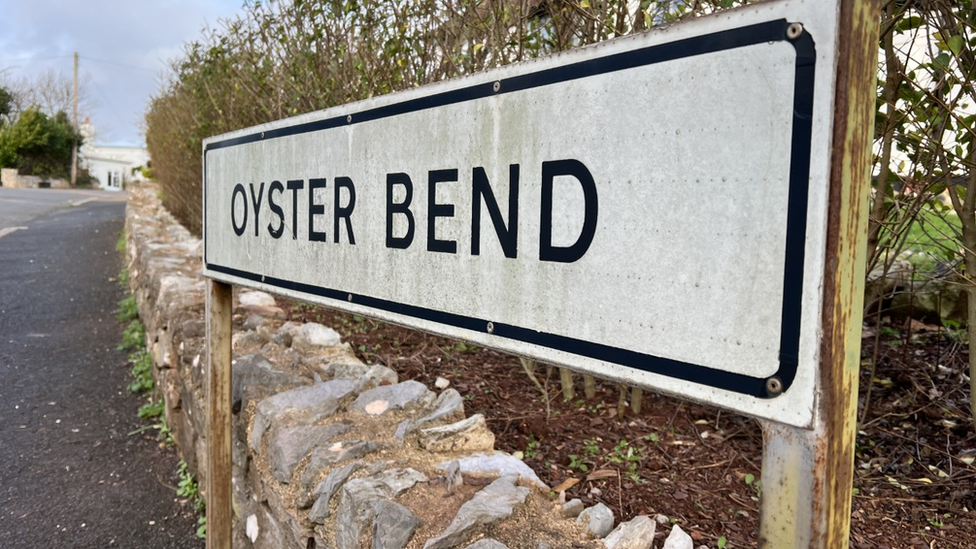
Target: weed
(120,243)
(202,528)
(721,542)
(888,332)
(128,309)
(165,433)
(651,438)
(151,410)
(189,489)
(124,277)
(591,447)
(577,462)
(141,372)
(955,330)
(754,483)
(133,337)
(532,448)
(624,453)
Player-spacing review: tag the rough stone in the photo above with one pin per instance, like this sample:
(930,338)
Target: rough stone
(323,492)
(405,428)
(250,339)
(487,543)
(313,335)
(633,534)
(255,299)
(355,511)
(493,503)
(194,328)
(302,398)
(452,477)
(288,445)
(663,520)
(597,520)
(375,376)
(327,456)
(467,435)
(573,508)
(494,465)
(253,322)
(393,526)
(678,539)
(409,395)
(442,382)
(285,334)
(346,370)
(257,370)
(449,406)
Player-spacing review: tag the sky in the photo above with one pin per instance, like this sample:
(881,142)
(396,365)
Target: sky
(124,49)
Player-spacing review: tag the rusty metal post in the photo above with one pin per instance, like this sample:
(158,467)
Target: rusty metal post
(219,503)
(808,474)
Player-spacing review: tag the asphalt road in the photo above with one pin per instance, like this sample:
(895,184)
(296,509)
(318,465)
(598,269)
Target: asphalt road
(71,475)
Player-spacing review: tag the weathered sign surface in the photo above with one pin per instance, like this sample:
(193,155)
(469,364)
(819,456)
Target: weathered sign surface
(651,210)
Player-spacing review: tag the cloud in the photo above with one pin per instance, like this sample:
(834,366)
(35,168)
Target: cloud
(124,45)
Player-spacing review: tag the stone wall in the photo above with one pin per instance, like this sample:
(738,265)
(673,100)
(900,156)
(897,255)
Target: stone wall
(11,179)
(333,453)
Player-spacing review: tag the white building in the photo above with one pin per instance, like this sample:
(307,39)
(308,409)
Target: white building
(113,166)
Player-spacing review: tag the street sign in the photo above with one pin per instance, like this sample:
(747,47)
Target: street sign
(650,210)
(682,210)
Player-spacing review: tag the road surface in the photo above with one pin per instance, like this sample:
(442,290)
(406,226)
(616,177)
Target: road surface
(71,475)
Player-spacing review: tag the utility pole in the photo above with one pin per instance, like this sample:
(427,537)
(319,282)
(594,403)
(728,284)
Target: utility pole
(74,147)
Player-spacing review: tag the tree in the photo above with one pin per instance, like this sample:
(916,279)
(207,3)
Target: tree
(50,91)
(36,144)
(6,102)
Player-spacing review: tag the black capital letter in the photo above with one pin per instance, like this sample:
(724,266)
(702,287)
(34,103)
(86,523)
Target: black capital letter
(393,179)
(256,202)
(315,209)
(435,210)
(481,188)
(294,185)
(569,254)
(239,231)
(276,209)
(344,212)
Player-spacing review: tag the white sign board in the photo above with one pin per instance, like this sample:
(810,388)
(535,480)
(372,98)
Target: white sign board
(650,210)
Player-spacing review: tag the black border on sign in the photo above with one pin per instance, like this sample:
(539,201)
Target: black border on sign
(768,32)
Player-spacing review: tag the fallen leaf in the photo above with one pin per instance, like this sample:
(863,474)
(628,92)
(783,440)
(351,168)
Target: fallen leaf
(601,474)
(566,484)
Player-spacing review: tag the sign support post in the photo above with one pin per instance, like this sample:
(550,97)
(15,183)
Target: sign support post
(808,474)
(219,428)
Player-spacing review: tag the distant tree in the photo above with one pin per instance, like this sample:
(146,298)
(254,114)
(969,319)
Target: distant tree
(6,102)
(37,144)
(52,92)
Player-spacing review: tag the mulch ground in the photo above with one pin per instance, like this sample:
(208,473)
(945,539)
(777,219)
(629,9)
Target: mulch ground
(699,466)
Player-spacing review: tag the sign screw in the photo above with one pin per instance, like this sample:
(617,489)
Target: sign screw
(794,31)
(491,327)
(262,135)
(496,86)
(349,118)
(774,386)
(350,298)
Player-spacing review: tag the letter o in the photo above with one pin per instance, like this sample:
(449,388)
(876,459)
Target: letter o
(239,188)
